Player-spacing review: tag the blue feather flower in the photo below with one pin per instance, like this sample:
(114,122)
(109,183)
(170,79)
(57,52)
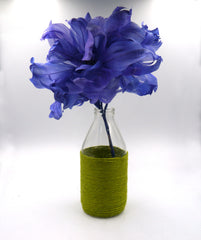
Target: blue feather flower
(96,58)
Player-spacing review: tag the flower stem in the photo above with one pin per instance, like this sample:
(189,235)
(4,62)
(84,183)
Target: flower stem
(99,105)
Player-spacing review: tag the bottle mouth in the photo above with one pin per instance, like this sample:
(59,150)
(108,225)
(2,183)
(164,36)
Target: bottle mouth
(108,110)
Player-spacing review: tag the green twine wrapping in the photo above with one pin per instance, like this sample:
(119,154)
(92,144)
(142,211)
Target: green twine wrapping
(103,181)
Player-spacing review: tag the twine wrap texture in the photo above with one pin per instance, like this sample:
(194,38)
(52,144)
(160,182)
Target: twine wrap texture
(103,184)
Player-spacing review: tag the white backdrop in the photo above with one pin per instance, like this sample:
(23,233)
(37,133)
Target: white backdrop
(39,165)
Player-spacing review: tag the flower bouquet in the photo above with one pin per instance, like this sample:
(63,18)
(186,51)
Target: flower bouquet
(92,60)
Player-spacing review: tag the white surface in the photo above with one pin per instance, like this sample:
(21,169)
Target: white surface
(40,198)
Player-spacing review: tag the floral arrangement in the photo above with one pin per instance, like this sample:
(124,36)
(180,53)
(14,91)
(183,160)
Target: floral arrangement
(95,58)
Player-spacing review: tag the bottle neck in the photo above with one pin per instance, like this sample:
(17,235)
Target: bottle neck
(104,131)
(109,113)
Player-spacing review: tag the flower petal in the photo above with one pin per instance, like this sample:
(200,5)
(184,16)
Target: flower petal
(80,35)
(62,51)
(141,67)
(71,100)
(96,26)
(132,31)
(47,74)
(81,82)
(56,111)
(119,18)
(152,39)
(100,46)
(121,54)
(57,31)
(88,47)
(141,85)
(99,77)
(110,91)
(88,17)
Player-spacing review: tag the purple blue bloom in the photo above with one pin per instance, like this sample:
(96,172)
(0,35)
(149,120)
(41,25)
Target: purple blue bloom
(96,58)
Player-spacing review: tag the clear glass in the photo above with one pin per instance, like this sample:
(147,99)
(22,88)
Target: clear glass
(97,134)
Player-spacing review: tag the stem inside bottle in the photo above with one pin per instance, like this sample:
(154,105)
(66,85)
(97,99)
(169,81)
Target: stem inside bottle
(99,105)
